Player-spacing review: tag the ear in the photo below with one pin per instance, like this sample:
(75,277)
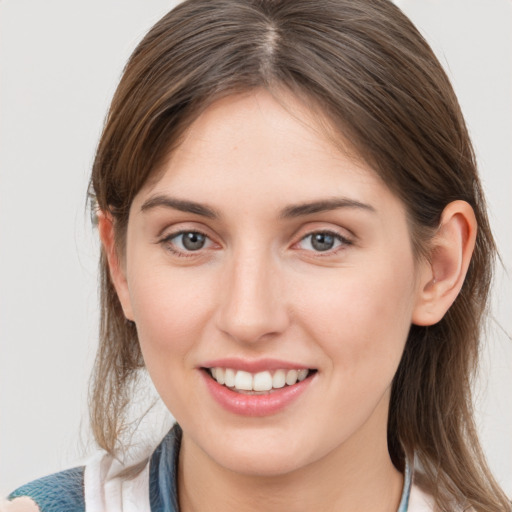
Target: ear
(443,275)
(117,272)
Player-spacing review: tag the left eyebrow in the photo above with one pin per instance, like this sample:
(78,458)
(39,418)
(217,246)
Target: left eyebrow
(324,205)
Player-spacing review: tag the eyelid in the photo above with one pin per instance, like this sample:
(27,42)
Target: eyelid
(181,226)
(325,227)
(181,232)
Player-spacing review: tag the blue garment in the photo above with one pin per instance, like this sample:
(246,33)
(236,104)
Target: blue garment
(61,492)
(163,473)
(64,491)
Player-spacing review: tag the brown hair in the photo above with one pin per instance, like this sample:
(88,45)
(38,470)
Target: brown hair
(377,80)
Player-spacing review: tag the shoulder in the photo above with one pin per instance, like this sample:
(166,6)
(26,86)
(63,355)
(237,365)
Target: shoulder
(106,484)
(59,492)
(419,500)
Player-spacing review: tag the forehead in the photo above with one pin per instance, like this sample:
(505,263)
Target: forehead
(264,151)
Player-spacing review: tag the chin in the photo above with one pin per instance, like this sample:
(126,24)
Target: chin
(257,457)
(261,465)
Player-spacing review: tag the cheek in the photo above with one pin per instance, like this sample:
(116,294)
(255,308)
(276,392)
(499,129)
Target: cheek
(361,317)
(169,307)
(170,310)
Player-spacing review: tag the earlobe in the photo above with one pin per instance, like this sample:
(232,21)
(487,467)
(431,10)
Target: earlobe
(117,273)
(450,254)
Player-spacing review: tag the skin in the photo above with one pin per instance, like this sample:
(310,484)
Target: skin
(22,504)
(258,288)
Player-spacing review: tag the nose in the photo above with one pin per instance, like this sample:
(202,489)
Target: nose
(252,300)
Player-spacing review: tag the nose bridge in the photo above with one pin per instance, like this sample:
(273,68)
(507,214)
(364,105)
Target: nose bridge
(252,300)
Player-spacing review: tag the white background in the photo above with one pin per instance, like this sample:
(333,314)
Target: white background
(60,62)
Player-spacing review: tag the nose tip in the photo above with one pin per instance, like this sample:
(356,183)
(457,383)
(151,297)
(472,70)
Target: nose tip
(252,305)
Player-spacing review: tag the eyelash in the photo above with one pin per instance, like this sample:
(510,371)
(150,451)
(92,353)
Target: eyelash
(167,241)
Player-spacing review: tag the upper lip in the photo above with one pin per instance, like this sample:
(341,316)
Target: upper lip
(255,365)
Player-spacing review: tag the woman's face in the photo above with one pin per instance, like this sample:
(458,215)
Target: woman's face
(262,250)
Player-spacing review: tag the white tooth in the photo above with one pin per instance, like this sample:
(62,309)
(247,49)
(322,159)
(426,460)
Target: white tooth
(213,372)
(279,379)
(291,377)
(302,374)
(219,375)
(243,380)
(262,381)
(229,377)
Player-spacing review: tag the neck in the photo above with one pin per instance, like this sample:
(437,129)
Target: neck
(357,475)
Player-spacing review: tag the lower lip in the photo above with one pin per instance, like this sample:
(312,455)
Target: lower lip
(255,405)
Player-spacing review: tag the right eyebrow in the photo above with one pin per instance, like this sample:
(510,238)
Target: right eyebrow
(163,201)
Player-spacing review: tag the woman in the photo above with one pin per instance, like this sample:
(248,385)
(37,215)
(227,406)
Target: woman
(296,248)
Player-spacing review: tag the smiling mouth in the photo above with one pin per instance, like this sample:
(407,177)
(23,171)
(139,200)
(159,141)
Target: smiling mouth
(259,383)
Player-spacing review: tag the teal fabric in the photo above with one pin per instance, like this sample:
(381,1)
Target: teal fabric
(61,492)
(163,473)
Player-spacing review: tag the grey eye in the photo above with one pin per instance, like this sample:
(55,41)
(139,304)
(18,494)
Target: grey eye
(322,241)
(190,240)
